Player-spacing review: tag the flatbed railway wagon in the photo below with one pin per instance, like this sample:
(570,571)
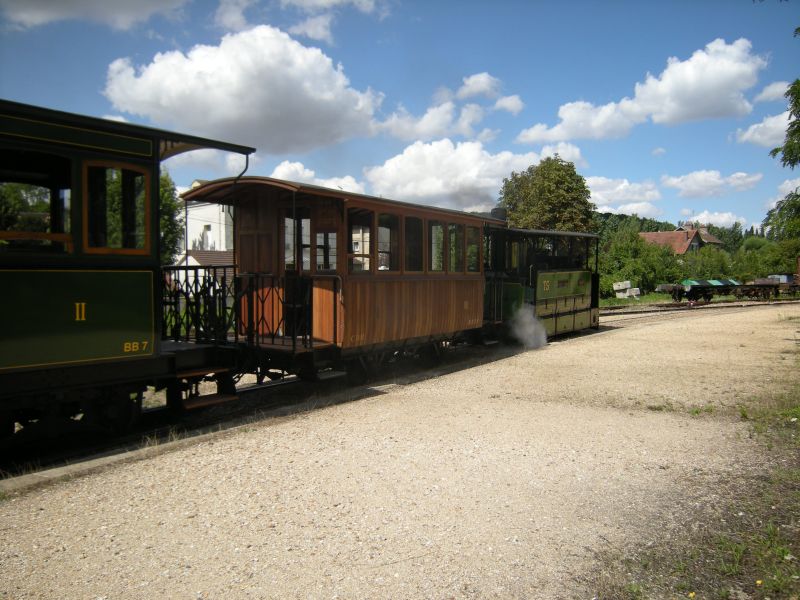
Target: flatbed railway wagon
(80,308)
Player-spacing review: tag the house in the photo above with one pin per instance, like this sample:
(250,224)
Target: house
(684,239)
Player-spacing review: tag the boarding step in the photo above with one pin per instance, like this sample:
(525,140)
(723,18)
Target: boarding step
(207,400)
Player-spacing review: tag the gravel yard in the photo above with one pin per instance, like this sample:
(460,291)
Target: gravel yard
(499,481)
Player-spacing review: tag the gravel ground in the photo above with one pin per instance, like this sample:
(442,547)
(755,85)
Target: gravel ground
(499,481)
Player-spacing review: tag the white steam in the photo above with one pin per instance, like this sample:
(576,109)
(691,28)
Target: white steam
(528,329)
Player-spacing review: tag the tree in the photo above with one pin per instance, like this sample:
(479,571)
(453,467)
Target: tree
(783,221)
(790,151)
(630,258)
(170,222)
(550,195)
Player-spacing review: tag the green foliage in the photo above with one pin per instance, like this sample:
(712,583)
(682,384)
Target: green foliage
(731,237)
(169,220)
(790,150)
(707,263)
(629,258)
(783,221)
(610,223)
(550,195)
(24,207)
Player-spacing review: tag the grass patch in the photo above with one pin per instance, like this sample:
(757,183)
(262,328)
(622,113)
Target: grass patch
(748,548)
(652,298)
(696,411)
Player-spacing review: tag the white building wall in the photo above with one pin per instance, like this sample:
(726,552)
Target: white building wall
(208,227)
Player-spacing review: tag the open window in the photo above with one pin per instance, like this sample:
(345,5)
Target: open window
(473,249)
(388,242)
(456,248)
(35,199)
(435,246)
(116,210)
(297,240)
(359,238)
(326,251)
(413,244)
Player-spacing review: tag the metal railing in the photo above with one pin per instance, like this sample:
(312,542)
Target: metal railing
(214,305)
(199,303)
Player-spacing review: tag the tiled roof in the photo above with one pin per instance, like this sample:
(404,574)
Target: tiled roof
(212,258)
(679,241)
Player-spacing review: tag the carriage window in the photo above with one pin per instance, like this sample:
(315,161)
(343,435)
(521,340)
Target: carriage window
(326,251)
(35,203)
(388,243)
(297,235)
(435,246)
(413,244)
(473,249)
(116,207)
(456,248)
(358,239)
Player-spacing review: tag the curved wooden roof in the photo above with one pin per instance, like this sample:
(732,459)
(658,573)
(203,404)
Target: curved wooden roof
(227,190)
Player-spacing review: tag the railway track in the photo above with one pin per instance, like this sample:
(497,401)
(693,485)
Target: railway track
(292,395)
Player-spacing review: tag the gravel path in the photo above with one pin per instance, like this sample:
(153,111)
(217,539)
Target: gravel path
(500,481)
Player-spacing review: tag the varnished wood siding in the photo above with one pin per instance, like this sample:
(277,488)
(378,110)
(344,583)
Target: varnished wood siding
(323,304)
(379,311)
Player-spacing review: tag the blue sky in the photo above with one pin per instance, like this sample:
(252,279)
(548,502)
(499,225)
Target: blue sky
(667,108)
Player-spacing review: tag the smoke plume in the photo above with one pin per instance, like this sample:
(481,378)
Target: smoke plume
(528,329)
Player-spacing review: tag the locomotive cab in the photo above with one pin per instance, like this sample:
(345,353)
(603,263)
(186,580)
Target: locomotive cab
(79,264)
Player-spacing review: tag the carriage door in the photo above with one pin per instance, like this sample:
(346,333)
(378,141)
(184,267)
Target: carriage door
(297,297)
(326,286)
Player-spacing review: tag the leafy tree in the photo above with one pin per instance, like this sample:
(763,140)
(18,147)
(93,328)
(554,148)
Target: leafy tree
(783,221)
(790,151)
(610,223)
(707,263)
(731,237)
(630,258)
(170,223)
(24,207)
(550,195)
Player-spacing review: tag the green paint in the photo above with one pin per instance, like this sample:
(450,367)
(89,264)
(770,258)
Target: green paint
(62,317)
(74,136)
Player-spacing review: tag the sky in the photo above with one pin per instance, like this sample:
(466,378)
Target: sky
(667,108)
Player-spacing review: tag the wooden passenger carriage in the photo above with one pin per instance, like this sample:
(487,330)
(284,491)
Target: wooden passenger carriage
(337,274)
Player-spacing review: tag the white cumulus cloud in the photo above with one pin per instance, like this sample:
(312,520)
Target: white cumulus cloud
(119,14)
(480,84)
(769,133)
(230,14)
(709,84)
(463,176)
(720,219)
(708,183)
(607,191)
(365,6)
(315,28)
(296,171)
(441,120)
(512,104)
(220,92)
(640,209)
(787,186)
(774,91)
